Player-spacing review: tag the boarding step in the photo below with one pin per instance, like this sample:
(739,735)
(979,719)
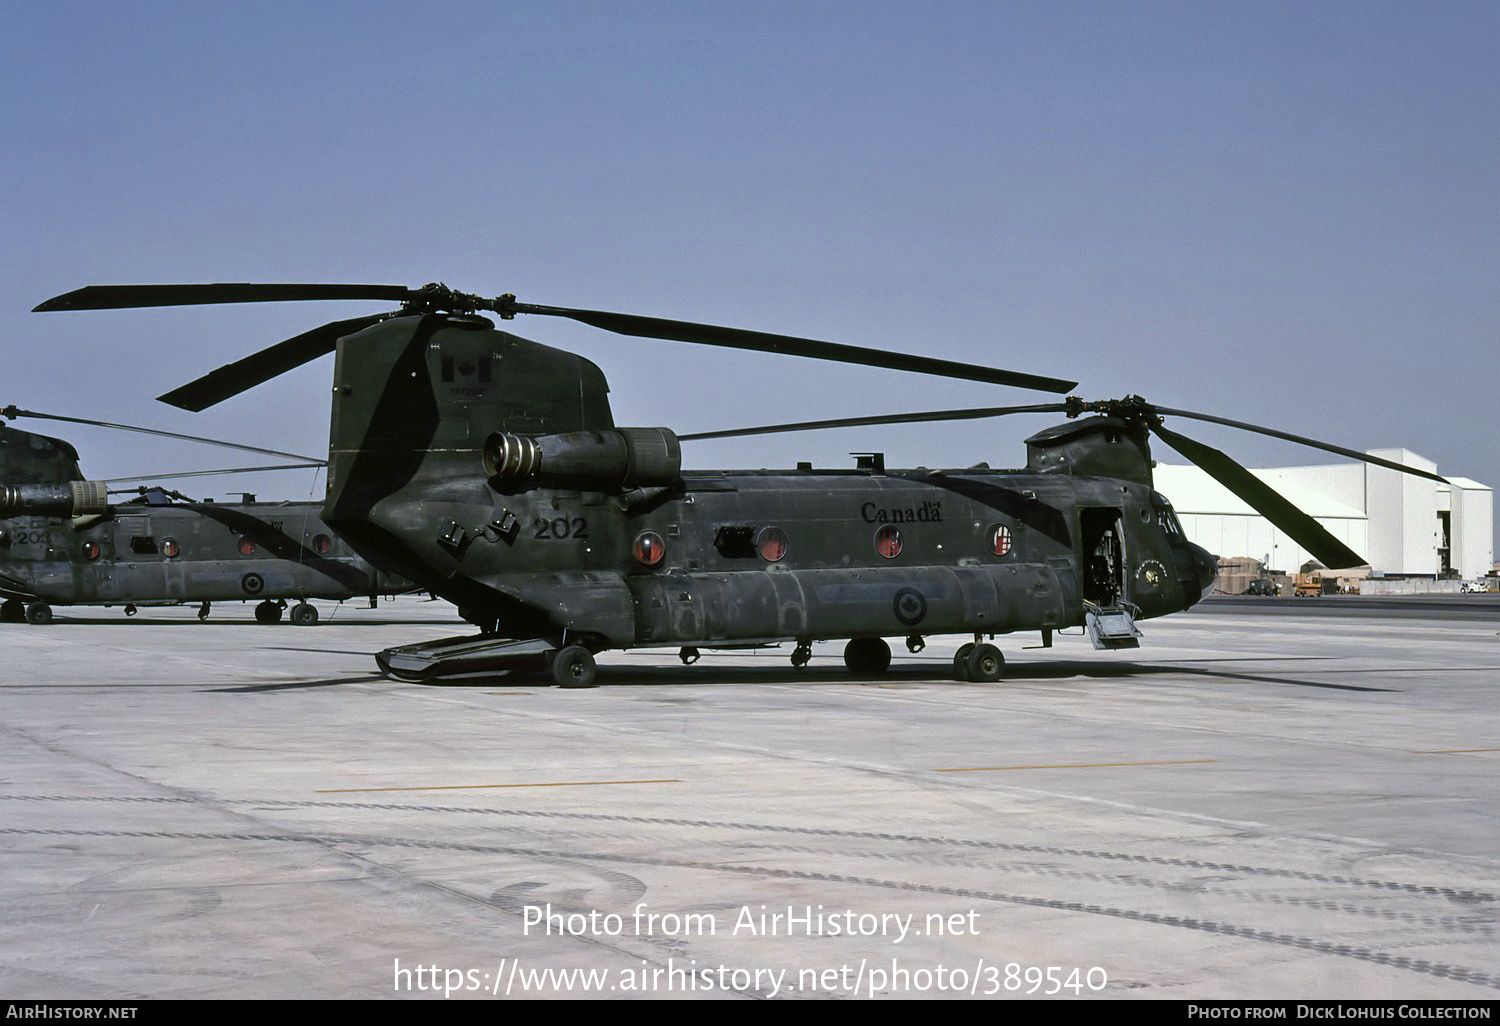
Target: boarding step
(1112,626)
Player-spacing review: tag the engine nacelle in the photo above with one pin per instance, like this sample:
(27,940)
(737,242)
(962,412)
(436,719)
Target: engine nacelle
(73,499)
(601,460)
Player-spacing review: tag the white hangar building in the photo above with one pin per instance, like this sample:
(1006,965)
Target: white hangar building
(1404,525)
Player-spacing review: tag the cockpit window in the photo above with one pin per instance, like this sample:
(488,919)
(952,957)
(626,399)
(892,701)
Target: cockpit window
(1165,517)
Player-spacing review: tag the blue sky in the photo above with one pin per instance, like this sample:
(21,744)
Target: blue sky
(1280,213)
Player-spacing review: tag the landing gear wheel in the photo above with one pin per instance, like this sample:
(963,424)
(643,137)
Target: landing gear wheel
(12,611)
(267,612)
(867,657)
(130,610)
(961,661)
(574,667)
(985,664)
(203,611)
(801,655)
(304,614)
(689,655)
(38,613)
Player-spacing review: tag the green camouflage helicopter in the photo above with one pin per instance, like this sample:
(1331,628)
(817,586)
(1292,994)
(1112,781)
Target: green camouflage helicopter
(488,469)
(63,542)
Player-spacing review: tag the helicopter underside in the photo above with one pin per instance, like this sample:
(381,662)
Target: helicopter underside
(752,609)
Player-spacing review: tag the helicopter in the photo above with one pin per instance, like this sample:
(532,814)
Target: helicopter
(63,542)
(487,468)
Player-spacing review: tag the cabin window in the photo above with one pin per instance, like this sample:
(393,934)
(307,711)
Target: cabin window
(1000,540)
(888,541)
(648,549)
(91,550)
(170,548)
(143,545)
(247,547)
(771,544)
(322,544)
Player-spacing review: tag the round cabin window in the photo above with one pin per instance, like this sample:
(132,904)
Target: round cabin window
(648,549)
(888,541)
(771,544)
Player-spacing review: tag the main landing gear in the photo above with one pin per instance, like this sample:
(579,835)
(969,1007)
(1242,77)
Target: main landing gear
(17,611)
(975,661)
(867,657)
(979,662)
(303,614)
(573,667)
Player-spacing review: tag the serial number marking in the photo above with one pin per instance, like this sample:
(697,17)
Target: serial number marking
(561,529)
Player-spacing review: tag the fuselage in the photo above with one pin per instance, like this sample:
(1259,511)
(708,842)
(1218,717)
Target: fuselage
(487,468)
(142,554)
(765,555)
(63,543)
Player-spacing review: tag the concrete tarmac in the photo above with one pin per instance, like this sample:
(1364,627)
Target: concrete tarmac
(1255,804)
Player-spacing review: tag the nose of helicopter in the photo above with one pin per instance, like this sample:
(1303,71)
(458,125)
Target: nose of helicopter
(1205,569)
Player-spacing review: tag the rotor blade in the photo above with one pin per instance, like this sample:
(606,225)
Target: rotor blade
(234,378)
(764,342)
(1266,501)
(119,297)
(929,416)
(211,473)
(12,411)
(105,297)
(1300,440)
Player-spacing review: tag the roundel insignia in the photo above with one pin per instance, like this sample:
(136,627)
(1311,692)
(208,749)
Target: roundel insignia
(253,584)
(910,606)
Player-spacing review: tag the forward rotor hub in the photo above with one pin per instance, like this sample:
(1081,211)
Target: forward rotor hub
(435,297)
(1132,407)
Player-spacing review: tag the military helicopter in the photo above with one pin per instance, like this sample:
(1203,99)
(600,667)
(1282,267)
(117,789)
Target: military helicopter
(488,469)
(63,542)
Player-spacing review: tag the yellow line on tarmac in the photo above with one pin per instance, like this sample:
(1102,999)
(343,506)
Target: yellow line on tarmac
(1072,765)
(477,787)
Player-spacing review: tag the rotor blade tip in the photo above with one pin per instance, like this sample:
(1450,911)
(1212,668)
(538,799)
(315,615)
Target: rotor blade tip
(172,399)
